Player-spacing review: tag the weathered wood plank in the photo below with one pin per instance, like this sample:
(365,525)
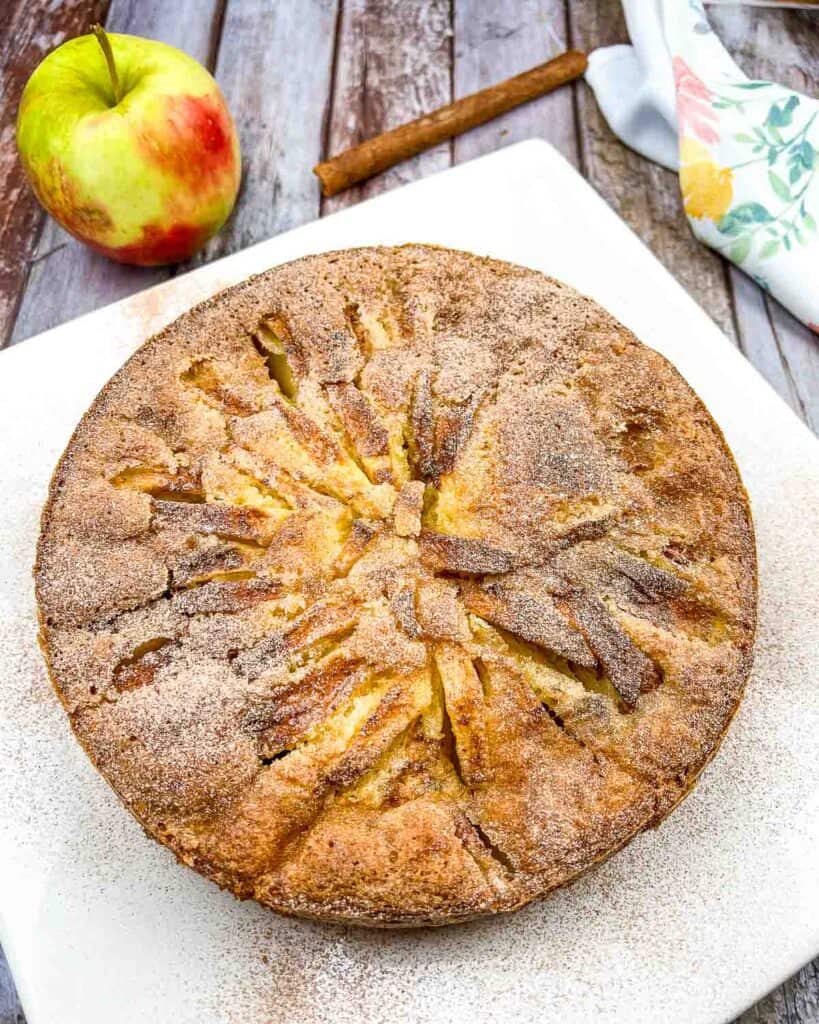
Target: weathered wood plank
(28,32)
(783,46)
(756,337)
(795,1002)
(393,63)
(495,39)
(491,40)
(67,278)
(646,196)
(10,1010)
(274,67)
(799,350)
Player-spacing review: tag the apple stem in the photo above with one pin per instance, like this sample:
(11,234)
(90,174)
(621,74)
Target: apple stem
(108,53)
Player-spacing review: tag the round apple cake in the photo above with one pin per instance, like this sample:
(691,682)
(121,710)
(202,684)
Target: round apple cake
(397,586)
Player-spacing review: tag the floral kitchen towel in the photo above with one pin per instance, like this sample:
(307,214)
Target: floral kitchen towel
(747,150)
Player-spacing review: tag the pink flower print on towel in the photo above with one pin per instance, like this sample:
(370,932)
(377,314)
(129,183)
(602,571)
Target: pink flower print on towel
(694,104)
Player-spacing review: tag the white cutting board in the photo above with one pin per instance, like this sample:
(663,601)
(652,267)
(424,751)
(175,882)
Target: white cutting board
(691,923)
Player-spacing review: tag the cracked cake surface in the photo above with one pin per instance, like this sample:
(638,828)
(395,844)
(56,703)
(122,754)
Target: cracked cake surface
(397,586)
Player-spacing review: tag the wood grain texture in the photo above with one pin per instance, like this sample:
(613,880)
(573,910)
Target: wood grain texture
(10,1010)
(68,279)
(393,64)
(795,1002)
(646,196)
(309,77)
(29,31)
(782,46)
(274,66)
(498,39)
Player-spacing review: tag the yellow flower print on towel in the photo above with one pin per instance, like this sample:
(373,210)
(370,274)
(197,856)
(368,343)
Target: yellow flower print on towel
(707,189)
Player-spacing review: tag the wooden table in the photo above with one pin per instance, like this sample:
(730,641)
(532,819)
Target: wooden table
(306,78)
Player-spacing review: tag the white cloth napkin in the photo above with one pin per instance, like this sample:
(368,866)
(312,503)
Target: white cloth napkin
(747,150)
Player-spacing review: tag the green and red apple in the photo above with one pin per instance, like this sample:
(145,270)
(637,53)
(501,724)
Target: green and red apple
(129,145)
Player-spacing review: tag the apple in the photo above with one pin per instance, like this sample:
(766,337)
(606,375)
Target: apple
(129,145)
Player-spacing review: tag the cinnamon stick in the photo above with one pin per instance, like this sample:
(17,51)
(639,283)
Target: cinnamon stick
(377,154)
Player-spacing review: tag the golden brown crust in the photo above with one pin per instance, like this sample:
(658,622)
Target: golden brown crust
(397,586)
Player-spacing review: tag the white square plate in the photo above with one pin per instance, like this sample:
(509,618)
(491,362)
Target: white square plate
(690,923)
